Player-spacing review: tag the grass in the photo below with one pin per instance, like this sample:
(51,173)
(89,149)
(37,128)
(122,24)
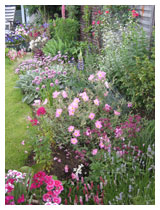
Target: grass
(15,120)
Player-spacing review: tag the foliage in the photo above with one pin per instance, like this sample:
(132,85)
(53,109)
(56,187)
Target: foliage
(73,11)
(65,29)
(87,18)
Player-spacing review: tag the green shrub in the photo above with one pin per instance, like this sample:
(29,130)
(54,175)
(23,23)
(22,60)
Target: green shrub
(65,29)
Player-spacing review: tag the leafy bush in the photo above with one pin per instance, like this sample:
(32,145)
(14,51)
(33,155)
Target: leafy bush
(64,29)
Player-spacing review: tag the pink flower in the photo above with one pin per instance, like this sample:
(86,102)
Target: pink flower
(94,151)
(70,128)
(22,142)
(93,22)
(57,183)
(74,140)
(56,82)
(98,22)
(101,145)
(98,124)
(129,104)
(93,33)
(71,113)
(106,93)
(101,75)
(57,200)
(96,102)
(55,94)
(58,112)
(29,118)
(73,176)
(66,168)
(46,197)
(34,122)
(37,88)
(116,113)
(107,107)
(107,12)
(76,100)
(51,84)
(41,111)
(91,77)
(64,94)
(49,187)
(43,86)
(45,101)
(85,98)
(21,199)
(76,133)
(91,116)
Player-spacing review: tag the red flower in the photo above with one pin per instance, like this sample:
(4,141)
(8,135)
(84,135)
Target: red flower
(107,12)
(41,111)
(98,22)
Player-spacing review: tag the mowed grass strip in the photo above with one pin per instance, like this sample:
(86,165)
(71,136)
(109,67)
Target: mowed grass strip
(16,113)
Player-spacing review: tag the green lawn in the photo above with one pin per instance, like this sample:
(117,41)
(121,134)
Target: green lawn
(16,113)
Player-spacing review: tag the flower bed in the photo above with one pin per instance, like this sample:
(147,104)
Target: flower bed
(83,131)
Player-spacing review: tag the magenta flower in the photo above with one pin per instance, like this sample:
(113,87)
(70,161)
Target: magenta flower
(93,22)
(37,88)
(107,107)
(41,111)
(101,145)
(66,168)
(22,142)
(94,151)
(96,102)
(43,86)
(116,113)
(98,124)
(76,133)
(51,84)
(21,199)
(56,82)
(74,140)
(70,128)
(91,116)
(57,183)
(129,104)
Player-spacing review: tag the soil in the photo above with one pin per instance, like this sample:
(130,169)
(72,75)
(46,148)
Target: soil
(63,156)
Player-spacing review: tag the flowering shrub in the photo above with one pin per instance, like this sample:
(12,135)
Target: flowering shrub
(13,54)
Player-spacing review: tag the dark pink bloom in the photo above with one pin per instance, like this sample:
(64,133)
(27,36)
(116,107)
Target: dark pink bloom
(57,183)
(41,111)
(21,199)
(107,12)
(98,22)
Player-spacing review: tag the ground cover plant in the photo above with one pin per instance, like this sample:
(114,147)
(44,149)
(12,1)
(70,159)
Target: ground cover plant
(87,142)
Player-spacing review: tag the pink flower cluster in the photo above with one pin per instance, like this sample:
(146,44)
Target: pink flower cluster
(58,112)
(73,106)
(84,96)
(53,187)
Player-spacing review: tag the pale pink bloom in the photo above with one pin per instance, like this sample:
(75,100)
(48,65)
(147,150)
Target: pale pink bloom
(64,94)
(101,74)
(51,84)
(106,93)
(71,113)
(59,160)
(76,100)
(70,128)
(83,94)
(55,94)
(91,116)
(45,101)
(85,98)
(101,145)
(36,102)
(22,142)
(56,82)
(106,84)
(116,113)
(96,102)
(37,88)
(29,118)
(43,86)
(98,124)
(58,112)
(74,176)
(55,158)
(74,140)
(91,77)
(76,133)
(74,105)
(129,104)
(66,168)
(94,151)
